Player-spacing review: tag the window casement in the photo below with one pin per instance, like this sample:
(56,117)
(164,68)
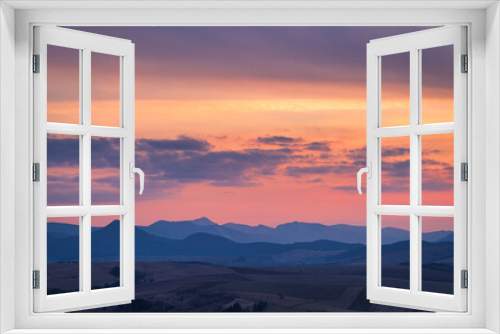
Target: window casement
(84,132)
(415,133)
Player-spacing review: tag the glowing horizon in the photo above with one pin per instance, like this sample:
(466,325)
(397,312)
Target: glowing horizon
(257,126)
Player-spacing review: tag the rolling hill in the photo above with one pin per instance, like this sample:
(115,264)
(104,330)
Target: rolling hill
(209,248)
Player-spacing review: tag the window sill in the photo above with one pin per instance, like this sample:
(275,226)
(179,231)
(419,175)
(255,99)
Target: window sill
(251,331)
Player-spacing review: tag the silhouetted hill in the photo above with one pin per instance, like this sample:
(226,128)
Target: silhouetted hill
(448,238)
(60,230)
(282,234)
(208,248)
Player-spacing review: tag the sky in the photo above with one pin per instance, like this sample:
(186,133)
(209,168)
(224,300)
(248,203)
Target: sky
(252,125)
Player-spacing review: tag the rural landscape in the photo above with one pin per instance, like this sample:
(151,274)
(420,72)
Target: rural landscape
(207,267)
(250,139)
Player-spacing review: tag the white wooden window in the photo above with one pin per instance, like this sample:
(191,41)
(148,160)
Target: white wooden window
(86,45)
(415,44)
(17,100)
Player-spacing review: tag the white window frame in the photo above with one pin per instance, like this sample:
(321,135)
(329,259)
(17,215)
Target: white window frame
(413,44)
(484,213)
(85,44)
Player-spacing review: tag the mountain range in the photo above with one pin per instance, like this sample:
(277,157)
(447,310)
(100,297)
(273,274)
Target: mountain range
(282,234)
(190,241)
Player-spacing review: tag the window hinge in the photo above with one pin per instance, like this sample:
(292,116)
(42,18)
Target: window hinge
(36,279)
(465,64)
(465,279)
(36,63)
(36,172)
(464,171)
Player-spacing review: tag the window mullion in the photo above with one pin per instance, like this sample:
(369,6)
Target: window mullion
(415,243)
(85,168)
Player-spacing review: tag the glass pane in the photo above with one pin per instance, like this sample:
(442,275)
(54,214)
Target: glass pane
(63,255)
(105,171)
(63,85)
(395,251)
(437,254)
(105,90)
(395,80)
(395,161)
(437,84)
(105,270)
(437,169)
(63,170)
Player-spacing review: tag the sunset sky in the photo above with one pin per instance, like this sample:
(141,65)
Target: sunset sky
(253,125)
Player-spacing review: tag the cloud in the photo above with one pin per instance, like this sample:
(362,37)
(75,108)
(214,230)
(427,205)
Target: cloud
(295,171)
(395,152)
(356,154)
(437,185)
(231,183)
(105,152)
(62,191)
(396,186)
(63,151)
(318,146)
(346,189)
(274,140)
(396,169)
(182,143)
(220,168)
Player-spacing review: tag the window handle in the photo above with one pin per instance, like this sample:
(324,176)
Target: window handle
(135,170)
(368,171)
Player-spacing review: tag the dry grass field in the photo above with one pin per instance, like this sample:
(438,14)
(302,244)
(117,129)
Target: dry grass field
(201,287)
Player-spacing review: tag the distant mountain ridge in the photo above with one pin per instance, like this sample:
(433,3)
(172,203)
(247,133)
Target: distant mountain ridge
(286,233)
(202,247)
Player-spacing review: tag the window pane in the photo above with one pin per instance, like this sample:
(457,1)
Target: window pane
(395,99)
(105,171)
(437,254)
(105,238)
(437,169)
(395,254)
(395,160)
(63,255)
(437,84)
(63,85)
(105,90)
(63,169)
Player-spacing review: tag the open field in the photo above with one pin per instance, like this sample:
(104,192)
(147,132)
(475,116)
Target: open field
(201,287)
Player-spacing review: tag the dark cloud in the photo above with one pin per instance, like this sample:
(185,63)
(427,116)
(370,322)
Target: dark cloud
(428,152)
(62,178)
(318,146)
(109,180)
(437,185)
(396,169)
(295,171)
(396,186)
(105,196)
(395,152)
(182,143)
(63,151)
(237,183)
(433,162)
(105,152)
(63,192)
(228,166)
(287,54)
(356,154)
(273,140)
(347,189)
